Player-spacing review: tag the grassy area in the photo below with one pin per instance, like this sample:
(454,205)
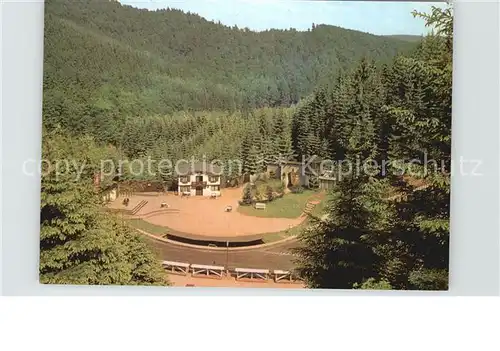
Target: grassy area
(272,237)
(267,237)
(289,206)
(275,184)
(148,227)
(317,211)
(319,208)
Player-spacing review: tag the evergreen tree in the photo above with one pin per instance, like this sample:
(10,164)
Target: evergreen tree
(247,195)
(254,163)
(79,244)
(269,193)
(338,252)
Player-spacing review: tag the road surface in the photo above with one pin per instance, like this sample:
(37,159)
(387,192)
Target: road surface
(273,257)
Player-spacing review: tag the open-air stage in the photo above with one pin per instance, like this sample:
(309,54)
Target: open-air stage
(193,226)
(202,218)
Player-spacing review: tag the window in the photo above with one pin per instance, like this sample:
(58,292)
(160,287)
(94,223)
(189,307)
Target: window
(185,189)
(213,179)
(215,188)
(184,179)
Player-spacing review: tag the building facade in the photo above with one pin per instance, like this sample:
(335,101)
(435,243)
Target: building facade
(199,180)
(298,174)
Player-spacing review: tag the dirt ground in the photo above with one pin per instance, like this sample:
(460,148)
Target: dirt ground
(182,281)
(204,216)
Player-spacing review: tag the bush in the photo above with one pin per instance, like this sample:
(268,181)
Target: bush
(313,182)
(257,194)
(269,193)
(247,196)
(297,189)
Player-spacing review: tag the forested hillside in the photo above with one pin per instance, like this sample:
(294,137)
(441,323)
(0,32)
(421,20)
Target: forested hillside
(400,116)
(124,83)
(104,61)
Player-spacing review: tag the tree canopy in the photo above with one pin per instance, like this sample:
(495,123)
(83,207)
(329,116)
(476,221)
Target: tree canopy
(398,113)
(125,83)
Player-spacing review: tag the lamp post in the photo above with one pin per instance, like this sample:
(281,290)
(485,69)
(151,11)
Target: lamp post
(227,258)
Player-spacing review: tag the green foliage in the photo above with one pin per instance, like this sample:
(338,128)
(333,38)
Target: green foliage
(313,182)
(429,279)
(133,62)
(286,206)
(372,284)
(338,252)
(269,193)
(247,196)
(123,83)
(397,113)
(297,189)
(79,244)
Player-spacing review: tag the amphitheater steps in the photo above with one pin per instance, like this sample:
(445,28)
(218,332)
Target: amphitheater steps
(311,204)
(138,207)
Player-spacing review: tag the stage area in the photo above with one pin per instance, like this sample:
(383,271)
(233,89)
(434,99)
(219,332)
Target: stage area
(203,216)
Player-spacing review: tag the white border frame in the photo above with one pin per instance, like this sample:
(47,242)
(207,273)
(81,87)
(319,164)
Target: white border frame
(475,245)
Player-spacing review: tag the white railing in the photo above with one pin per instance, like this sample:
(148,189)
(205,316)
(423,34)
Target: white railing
(198,270)
(204,271)
(176,267)
(254,274)
(282,275)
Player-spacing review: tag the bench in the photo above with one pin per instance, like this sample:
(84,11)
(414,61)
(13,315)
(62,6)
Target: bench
(198,270)
(260,206)
(176,267)
(252,274)
(282,275)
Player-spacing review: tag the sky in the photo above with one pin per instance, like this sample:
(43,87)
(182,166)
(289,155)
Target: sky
(377,17)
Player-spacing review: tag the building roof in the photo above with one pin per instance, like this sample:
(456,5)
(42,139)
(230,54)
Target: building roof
(186,168)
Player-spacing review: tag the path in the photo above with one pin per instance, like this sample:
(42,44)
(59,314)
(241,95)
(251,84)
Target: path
(203,216)
(274,257)
(182,281)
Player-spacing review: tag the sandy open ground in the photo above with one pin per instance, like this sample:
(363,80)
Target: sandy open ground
(182,281)
(206,217)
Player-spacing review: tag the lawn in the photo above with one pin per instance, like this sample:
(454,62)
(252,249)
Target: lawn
(289,206)
(317,212)
(267,237)
(148,227)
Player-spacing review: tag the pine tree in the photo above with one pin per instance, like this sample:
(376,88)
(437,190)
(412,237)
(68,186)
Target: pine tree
(245,153)
(338,252)
(417,256)
(269,193)
(285,150)
(254,163)
(79,244)
(247,195)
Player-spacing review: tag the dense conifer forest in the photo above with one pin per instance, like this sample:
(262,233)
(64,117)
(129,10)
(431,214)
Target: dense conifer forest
(120,82)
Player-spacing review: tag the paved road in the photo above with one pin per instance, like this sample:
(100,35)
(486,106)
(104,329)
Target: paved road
(275,257)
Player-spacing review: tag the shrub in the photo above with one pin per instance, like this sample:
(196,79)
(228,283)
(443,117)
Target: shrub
(297,189)
(257,194)
(247,196)
(313,182)
(269,193)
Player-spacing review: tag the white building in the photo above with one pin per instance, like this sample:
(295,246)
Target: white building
(199,179)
